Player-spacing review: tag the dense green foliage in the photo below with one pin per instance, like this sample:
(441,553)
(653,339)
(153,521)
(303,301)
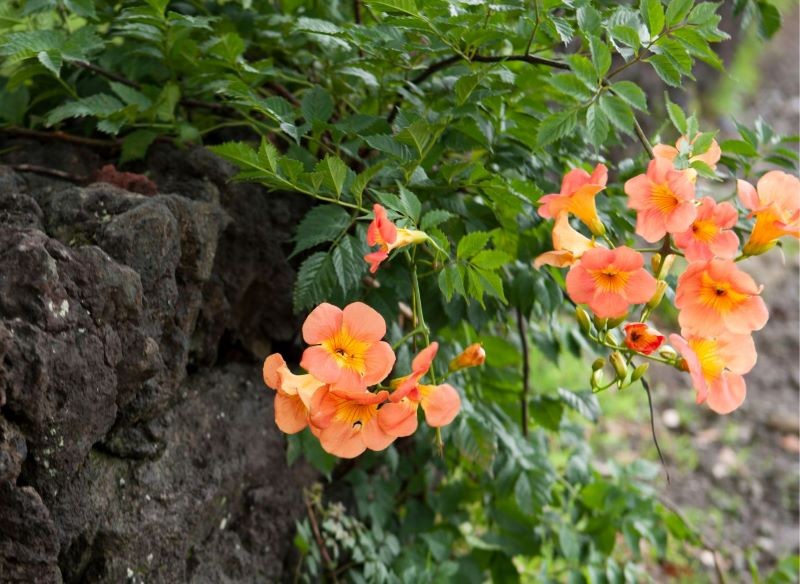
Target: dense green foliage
(456,115)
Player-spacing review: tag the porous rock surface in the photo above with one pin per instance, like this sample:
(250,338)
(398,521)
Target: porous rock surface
(136,438)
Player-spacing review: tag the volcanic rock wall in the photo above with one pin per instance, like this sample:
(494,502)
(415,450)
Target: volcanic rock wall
(136,438)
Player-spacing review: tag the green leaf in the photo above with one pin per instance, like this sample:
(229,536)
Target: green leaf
(666,69)
(677,10)
(465,86)
(98,105)
(676,115)
(547,412)
(597,124)
(471,244)
(738,147)
(631,93)
(702,143)
(618,112)
(769,21)
(388,144)
(404,6)
(316,105)
(361,181)
(568,542)
(322,223)
(315,280)
(334,173)
(571,86)
(51,60)
(348,264)
(84,8)
(435,217)
(584,70)
(523,494)
(626,35)
(491,259)
(556,126)
(583,402)
(135,145)
(450,280)
(601,56)
(411,205)
(589,20)
(418,135)
(653,15)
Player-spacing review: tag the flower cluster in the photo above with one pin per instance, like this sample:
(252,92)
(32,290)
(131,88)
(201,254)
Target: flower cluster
(719,305)
(346,358)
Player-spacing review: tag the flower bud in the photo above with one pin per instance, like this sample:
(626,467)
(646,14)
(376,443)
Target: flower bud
(583,319)
(610,338)
(599,323)
(615,322)
(661,287)
(655,262)
(598,364)
(668,353)
(596,380)
(683,365)
(639,372)
(618,361)
(641,338)
(472,356)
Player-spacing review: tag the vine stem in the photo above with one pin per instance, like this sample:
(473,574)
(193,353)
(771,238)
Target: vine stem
(329,564)
(653,426)
(522,325)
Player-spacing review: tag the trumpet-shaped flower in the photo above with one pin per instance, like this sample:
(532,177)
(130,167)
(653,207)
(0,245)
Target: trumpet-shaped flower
(387,236)
(568,245)
(709,157)
(710,235)
(294,394)
(775,202)
(716,297)
(472,356)
(347,422)
(348,352)
(716,366)
(610,280)
(642,338)
(663,199)
(577,196)
(440,403)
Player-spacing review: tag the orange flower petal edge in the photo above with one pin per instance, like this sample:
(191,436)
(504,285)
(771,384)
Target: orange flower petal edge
(642,338)
(577,197)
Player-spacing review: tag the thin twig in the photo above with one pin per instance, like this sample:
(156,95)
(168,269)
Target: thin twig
(50,172)
(653,426)
(444,63)
(643,138)
(535,26)
(357,11)
(329,565)
(703,541)
(523,338)
(62,137)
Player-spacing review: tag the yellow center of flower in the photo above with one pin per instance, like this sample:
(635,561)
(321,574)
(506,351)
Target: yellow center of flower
(710,362)
(353,414)
(719,295)
(765,232)
(663,199)
(610,279)
(704,230)
(348,351)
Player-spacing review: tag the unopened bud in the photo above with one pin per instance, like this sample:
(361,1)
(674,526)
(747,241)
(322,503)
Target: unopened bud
(618,361)
(639,372)
(583,319)
(615,322)
(668,353)
(472,356)
(596,380)
(655,262)
(600,323)
(598,364)
(661,287)
(683,365)
(610,338)
(662,264)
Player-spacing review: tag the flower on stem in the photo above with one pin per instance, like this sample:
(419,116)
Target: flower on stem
(715,297)
(775,202)
(347,421)
(568,245)
(472,356)
(709,157)
(294,394)
(610,280)
(716,365)
(709,235)
(577,196)
(440,403)
(348,352)
(388,236)
(663,199)
(642,338)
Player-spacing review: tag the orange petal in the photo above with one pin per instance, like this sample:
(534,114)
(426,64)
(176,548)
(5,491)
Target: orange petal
(321,364)
(321,324)
(440,403)
(374,437)
(727,393)
(291,415)
(342,439)
(379,360)
(398,419)
(363,322)
(270,370)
